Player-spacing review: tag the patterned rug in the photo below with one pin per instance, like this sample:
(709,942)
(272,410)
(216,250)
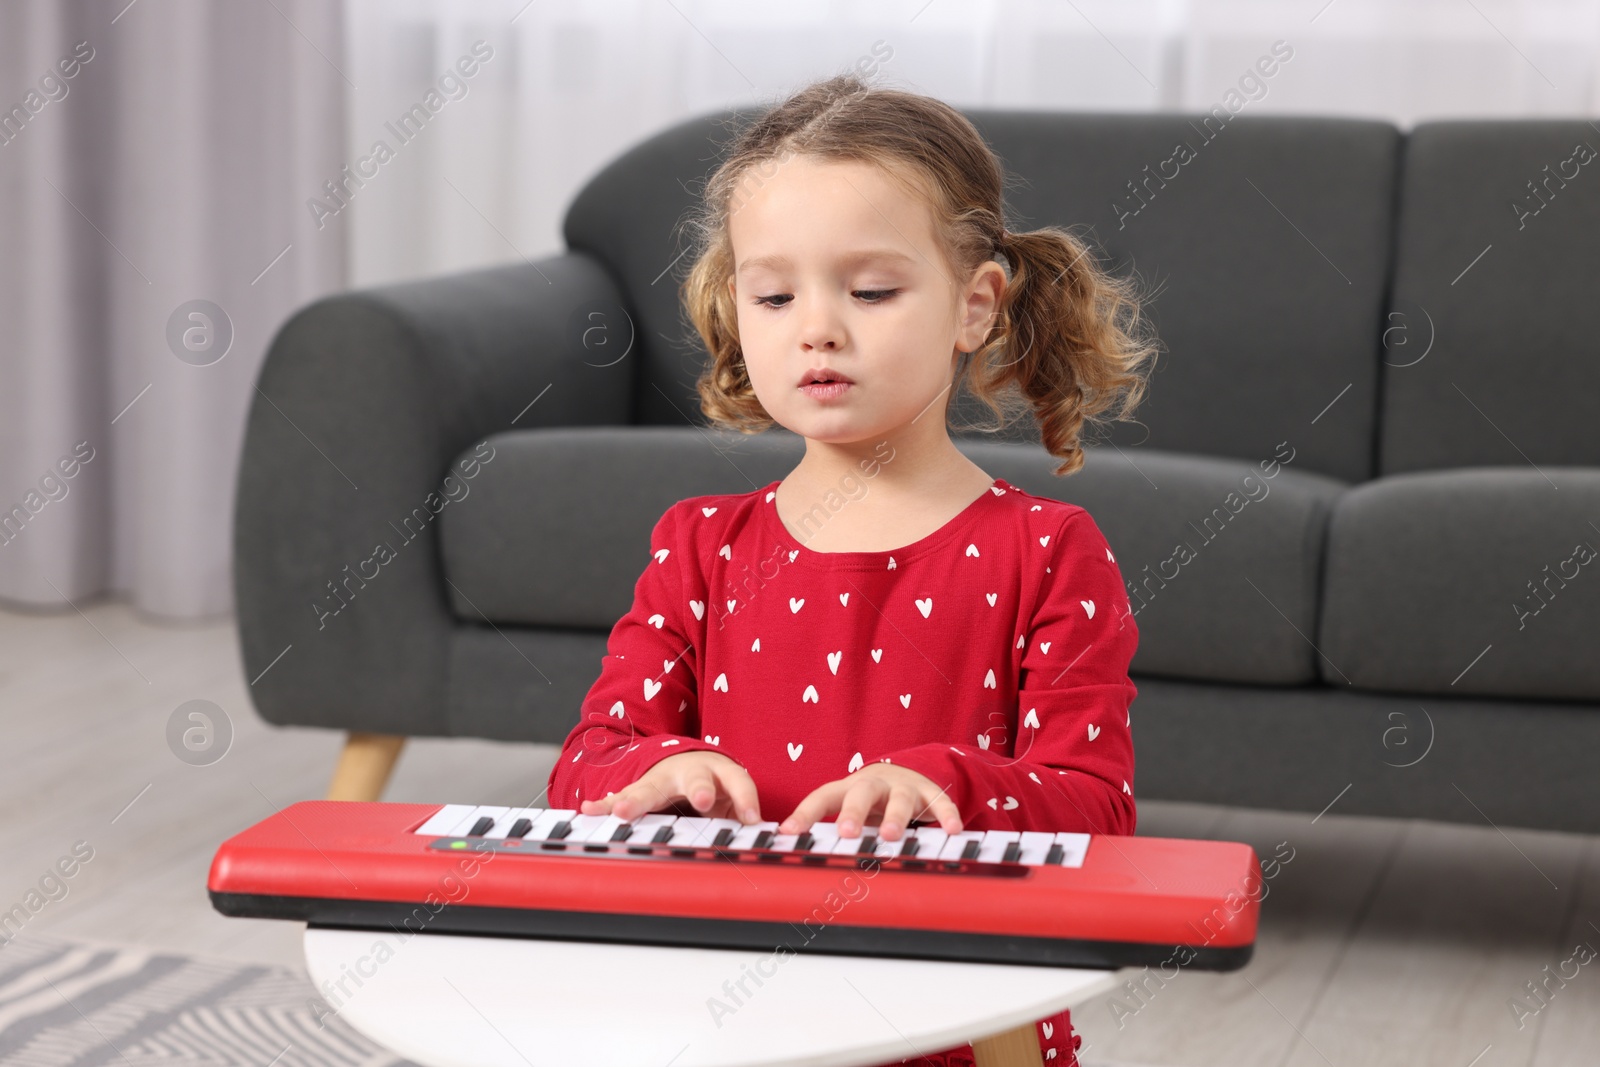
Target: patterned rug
(67,1004)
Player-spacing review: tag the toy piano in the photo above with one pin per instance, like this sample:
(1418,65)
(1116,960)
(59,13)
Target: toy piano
(1047,899)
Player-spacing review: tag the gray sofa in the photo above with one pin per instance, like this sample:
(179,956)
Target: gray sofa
(1356,517)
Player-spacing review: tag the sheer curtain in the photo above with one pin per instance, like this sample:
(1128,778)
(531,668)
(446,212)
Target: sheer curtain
(570,85)
(155,159)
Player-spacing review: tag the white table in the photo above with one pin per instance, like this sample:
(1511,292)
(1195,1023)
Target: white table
(445,1000)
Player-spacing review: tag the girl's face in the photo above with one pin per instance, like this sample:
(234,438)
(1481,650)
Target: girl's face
(836,269)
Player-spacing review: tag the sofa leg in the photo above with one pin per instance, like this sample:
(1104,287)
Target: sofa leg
(364,766)
(1014,1048)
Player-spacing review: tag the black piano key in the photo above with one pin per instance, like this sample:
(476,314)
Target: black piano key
(662,835)
(869,844)
(970,850)
(1013,852)
(909,849)
(520,828)
(622,832)
(560,830)
(1053,857)
(481,827)
(804,842)
(763,839)
(724,835)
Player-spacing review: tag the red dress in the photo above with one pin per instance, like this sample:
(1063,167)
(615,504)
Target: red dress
(991,655)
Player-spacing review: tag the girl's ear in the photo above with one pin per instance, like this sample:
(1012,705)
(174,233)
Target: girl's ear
(980,306)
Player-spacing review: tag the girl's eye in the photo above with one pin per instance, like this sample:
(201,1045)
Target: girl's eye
(870,296)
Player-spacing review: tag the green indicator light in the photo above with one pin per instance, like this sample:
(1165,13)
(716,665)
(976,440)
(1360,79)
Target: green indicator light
(458,844)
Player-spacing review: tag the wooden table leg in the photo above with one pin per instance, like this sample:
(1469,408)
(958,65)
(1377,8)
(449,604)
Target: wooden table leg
(1014,1048)
(364,766)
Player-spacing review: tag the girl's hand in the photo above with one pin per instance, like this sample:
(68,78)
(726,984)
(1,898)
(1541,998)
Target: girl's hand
(899,794)
(715,785)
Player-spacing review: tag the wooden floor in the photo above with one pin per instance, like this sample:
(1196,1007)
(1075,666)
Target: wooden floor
(1382,942)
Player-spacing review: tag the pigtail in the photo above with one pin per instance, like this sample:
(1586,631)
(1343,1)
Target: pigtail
(1067,336)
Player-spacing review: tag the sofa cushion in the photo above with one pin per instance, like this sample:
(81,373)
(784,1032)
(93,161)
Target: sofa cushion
(1490,353)
(1477,581)
(1221,558)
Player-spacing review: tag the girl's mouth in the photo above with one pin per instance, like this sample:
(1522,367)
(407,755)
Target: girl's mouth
(826,392)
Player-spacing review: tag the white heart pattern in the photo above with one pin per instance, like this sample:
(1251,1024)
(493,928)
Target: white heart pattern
(811,695)
(1037,507)
(796,605)
(793,552)
(794,751)
(721,684)
(1125,788)
(988,679)
(972,550)
(925,606)
(710,740)
(698,607)
(731,604)
(669,741)
(1032,718)
(756,646)
(726,552)
(905,700)
(1044,646)
(667,665)
(833,661)
(1094,731)
(891,563)
(1109,556)
(656,620)
(992,597)
(708,512)
(661,556)
(855,763)
(844,599)
(1048,1030)
(983,742)
(1045,540)
(651,688)
(877,655)
(1035,777)
(770,496)
(616,709)
(1088,607)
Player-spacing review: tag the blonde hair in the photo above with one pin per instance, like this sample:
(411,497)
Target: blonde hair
(1065,345)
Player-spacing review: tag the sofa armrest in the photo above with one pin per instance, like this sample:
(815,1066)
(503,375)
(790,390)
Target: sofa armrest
(364,403)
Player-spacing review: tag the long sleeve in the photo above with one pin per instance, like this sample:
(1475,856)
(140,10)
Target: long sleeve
(1070,766)
(639,709)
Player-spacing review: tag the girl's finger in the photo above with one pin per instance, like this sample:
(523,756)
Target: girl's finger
(741,790)
(896,813)
(698,787)
(943,809)
(598,807)
(817,803)
(863,797)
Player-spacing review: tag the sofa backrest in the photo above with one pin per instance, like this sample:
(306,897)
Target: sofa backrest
(1492,357)
(1265,239)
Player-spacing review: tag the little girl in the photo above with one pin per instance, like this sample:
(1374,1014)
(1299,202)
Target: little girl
(889,633)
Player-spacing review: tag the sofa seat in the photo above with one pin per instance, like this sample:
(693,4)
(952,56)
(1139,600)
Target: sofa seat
(1222,559)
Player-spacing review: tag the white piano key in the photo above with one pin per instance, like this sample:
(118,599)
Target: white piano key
(783,842)
(719,825)
(1075,846)
(824,835)
(889,849)
(930,839)
(493,811)
(502,825)
(441,822)
(584,827)
(691,830)
(745,836)
(1035,844)
(851,846)
(994,844)
(547,820)
(956,842)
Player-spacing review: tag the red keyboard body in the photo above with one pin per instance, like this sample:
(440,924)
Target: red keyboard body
(1129,901)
